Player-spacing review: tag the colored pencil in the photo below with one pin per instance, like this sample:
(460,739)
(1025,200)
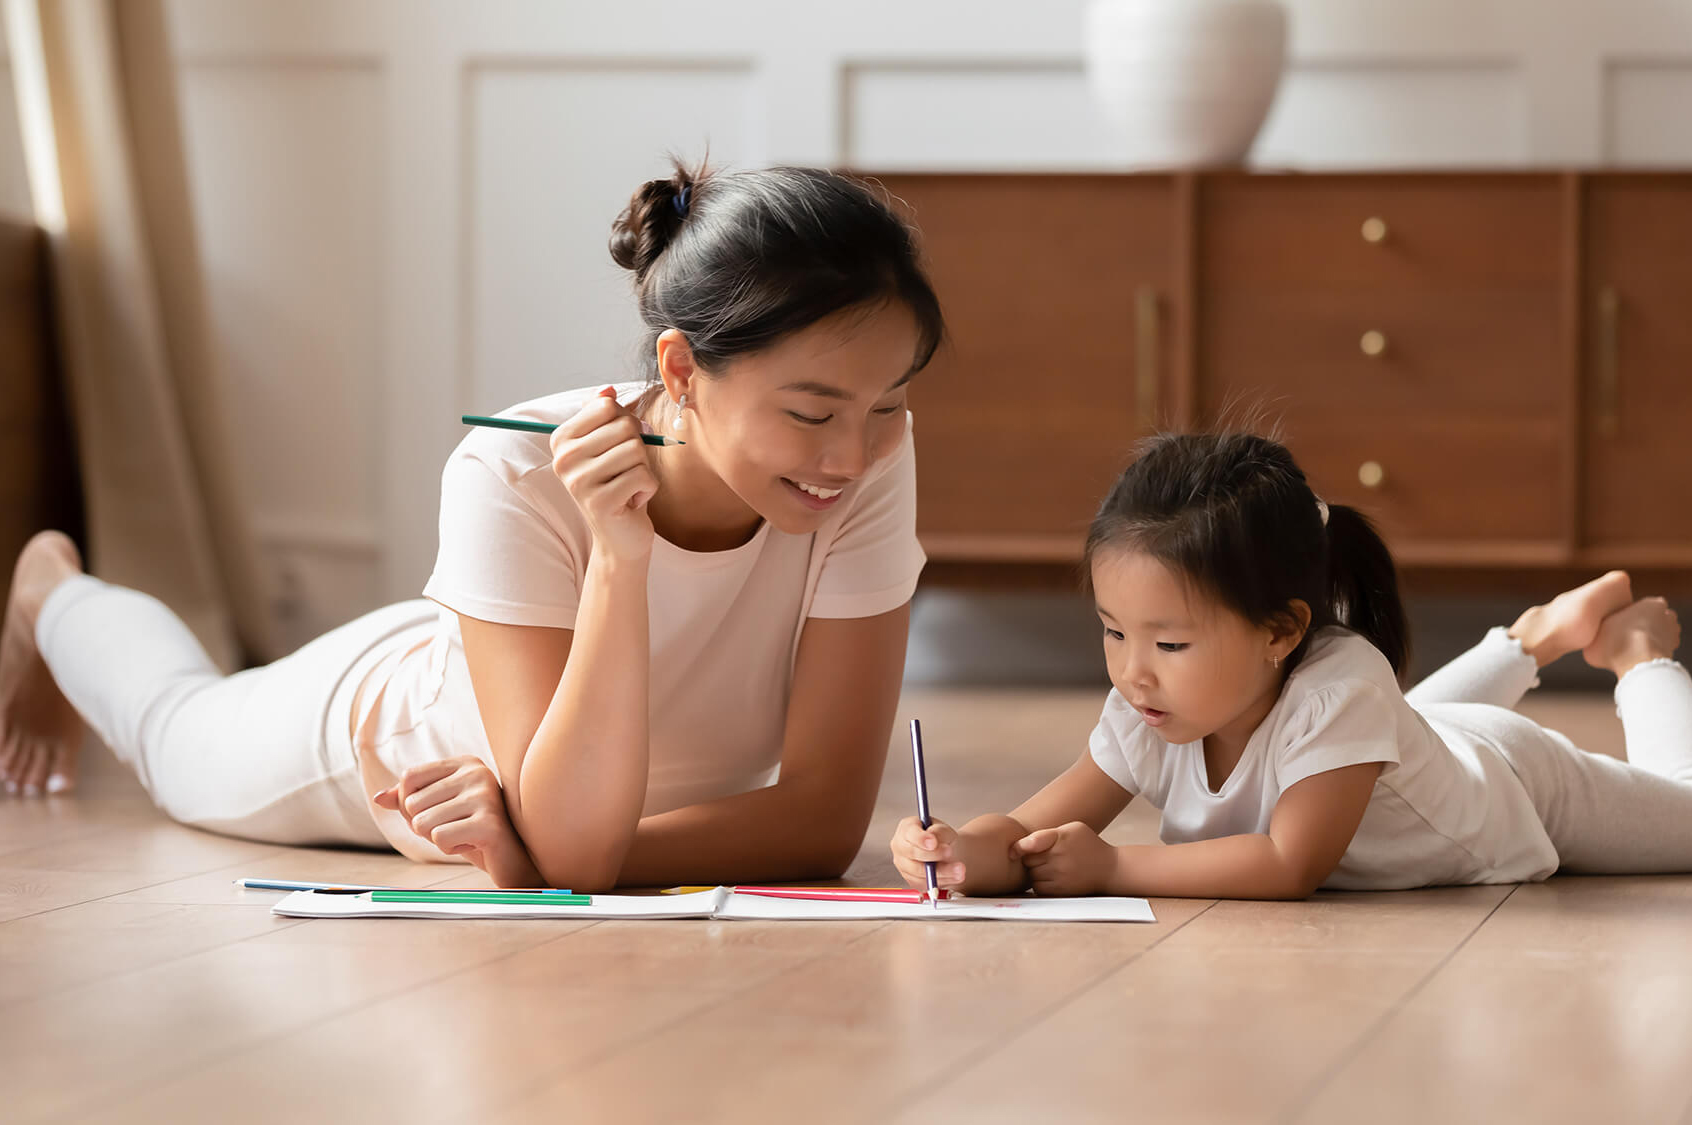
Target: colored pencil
(298,885)
(503,898)
(922,801)
(839,894)
(547,427)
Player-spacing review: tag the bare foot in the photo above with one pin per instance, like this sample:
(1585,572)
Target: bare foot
(1573,618)
(40,731)
(1646,630)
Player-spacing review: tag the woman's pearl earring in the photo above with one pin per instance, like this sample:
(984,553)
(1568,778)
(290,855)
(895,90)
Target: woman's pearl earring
(681,419)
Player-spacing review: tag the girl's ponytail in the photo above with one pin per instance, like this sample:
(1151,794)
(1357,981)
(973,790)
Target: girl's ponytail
(1363,585)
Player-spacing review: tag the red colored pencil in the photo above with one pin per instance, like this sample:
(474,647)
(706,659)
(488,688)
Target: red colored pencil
(840,894)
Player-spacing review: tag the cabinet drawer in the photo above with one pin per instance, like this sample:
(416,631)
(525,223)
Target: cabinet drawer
(1389,231)
(1493,351)
(1449,488)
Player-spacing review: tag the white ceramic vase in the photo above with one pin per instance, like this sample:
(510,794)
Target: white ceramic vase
(1185,83)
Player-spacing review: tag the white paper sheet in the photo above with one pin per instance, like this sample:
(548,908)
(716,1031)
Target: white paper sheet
(721,903)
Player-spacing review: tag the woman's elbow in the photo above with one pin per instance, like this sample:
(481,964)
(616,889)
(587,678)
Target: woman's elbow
(588,874)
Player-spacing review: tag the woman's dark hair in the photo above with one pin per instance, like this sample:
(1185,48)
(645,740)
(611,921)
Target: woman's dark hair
(1233,514)
(738,260)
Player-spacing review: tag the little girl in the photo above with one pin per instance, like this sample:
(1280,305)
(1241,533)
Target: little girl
(1254,636)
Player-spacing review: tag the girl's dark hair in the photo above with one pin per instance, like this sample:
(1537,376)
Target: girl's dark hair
(1233,514)
(738,260)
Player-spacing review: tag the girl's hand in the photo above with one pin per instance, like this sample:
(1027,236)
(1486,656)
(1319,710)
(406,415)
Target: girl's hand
(914,846)
(600,458)
(1068,860)
(457,805)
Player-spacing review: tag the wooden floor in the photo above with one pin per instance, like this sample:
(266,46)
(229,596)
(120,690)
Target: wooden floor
(136,984)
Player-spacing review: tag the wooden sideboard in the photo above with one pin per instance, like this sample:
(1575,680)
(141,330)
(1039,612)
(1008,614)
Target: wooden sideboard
(1497,366)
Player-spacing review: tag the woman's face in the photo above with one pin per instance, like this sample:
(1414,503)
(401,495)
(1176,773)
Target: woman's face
(789,430)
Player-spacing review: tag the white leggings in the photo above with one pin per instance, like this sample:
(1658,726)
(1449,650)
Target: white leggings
(264,754)
(1604,816)
(267,753)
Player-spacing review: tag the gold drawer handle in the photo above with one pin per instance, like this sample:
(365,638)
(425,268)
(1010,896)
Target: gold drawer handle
(1374,230)
(1374,344)
(1370,474)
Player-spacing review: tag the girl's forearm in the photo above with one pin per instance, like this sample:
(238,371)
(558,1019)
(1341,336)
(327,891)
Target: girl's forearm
(984,848)
(583,779)
(1246,867)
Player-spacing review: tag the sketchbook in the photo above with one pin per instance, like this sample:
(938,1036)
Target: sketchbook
(723,903)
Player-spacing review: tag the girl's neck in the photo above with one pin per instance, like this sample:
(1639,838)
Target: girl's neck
(1225,746)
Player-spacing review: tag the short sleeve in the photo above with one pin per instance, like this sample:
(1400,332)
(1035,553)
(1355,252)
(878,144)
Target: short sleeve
(501,559)
(1109,743)
(873,560)
(1346,723)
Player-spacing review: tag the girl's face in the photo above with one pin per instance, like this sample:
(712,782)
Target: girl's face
(1194,669)
(789,430)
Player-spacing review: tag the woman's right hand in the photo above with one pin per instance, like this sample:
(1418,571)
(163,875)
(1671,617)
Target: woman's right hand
(915,846)
(599,457)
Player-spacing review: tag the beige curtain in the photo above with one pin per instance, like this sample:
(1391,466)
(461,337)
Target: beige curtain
(97,99)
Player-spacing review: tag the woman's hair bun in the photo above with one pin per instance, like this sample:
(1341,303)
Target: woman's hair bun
(655,213)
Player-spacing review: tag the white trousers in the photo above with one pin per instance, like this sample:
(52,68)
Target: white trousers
(265,754)
(1604,816)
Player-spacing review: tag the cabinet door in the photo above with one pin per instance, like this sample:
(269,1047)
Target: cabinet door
(1056,291)
(1402,331)
(1637,391)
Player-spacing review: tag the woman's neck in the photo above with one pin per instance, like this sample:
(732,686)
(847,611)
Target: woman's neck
(693,508)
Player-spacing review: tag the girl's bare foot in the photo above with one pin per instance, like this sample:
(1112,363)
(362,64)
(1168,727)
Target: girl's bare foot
(40,731)
(1572,619)
(1646,630)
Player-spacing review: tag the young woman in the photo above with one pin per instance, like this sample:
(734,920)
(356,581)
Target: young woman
(636,664)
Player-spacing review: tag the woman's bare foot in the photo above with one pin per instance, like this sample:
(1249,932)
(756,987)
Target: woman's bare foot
(1572,619)
(1646,630)
(40,731)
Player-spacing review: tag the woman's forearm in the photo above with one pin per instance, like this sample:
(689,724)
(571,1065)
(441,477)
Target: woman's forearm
(1245,867)
(583,778)
(782,832)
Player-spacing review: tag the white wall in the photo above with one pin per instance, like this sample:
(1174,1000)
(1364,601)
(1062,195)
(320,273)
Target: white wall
(403,203)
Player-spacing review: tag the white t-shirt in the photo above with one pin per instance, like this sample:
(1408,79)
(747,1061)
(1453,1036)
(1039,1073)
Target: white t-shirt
(725,625)
(1447,808)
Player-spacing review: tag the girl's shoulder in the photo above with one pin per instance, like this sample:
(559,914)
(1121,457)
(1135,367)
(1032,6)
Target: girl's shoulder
(1343,680)
(1337,654)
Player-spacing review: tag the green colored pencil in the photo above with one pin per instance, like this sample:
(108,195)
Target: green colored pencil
(547,427)
(500,898)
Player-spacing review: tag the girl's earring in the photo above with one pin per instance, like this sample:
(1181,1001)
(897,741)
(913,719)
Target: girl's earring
(681,419)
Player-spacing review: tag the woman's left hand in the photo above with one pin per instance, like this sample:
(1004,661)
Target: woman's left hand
(457,805)
(1070,859)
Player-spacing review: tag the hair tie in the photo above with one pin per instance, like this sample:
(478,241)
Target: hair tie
(1322,510)
(680,200)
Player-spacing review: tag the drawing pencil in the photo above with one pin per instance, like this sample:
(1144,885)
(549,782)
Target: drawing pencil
(503,898)
(922,800)
(547,427)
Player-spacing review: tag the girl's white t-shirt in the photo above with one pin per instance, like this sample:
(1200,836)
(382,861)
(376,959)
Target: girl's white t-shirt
(725,625)
(1447,808)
